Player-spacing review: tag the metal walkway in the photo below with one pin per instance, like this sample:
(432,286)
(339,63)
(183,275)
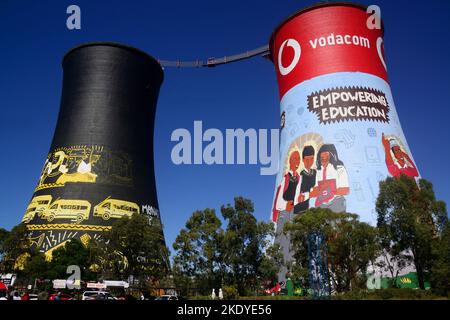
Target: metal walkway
(212,62)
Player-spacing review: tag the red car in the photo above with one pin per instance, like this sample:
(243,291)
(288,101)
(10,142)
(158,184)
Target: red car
(274,290)
(62,296)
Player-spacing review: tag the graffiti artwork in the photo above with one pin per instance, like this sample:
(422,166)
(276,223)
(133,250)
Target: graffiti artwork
(341,132)
(100,162)
(397,159)
(114,208)
(73,210)
(87,164)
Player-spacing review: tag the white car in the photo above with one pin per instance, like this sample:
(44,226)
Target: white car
(167,297)
(97,295)
(33,296)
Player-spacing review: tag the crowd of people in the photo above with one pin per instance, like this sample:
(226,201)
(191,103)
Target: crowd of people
(14,295)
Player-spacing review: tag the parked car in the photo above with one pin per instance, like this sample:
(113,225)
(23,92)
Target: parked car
(105,296)
(167,297)
(33,296)
(62,296)
(97,295)
(128,297)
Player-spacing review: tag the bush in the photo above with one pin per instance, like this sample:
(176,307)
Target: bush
(352,295)
(409,294)
(199,297)
(230,293)
(387,294)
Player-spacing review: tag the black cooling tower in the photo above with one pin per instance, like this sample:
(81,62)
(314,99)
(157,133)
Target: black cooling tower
(100,164)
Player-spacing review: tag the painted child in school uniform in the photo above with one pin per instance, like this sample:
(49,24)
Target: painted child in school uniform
(331,180)
(308,181)
(283,210)
(285,195)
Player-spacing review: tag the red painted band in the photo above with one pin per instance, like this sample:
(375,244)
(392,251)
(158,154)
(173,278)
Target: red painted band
(326,40)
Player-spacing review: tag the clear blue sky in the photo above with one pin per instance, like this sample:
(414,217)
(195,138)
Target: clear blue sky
(34,38)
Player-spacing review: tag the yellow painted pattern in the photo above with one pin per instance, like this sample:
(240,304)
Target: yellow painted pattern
(21,261)
(76,177)
(85,238)
(115,208)
(77,210)
(405,280)
(37,205)
(48,185)
(49,253)
(66,226)
(72,164)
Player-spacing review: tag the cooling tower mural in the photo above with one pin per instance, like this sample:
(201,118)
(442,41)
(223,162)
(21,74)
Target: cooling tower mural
(100,164)
(340,132)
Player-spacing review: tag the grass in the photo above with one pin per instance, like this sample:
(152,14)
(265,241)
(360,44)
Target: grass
(381,294)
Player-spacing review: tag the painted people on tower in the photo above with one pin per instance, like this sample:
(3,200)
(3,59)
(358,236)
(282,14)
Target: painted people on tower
(397,159)
(285,194)
(331,181)
(308,179)
(323,182)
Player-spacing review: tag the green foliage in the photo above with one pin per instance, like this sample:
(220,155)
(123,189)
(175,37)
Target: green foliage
(14,244)
(350,251)
(409,220)
(351,246)
(16,247)
(3,235)
(132,247)
(198,252)
(244,243)
(38,267)
(440,269)
(386,294)
(270,265)
(230,292)
(209,257)
(276,297)
(412,227)
(72,253)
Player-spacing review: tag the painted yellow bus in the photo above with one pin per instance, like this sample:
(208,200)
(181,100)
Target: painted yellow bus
(114,208)
(37,205)
(76,210)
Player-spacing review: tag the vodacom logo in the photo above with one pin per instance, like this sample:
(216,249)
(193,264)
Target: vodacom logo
(380,53)
(297,52)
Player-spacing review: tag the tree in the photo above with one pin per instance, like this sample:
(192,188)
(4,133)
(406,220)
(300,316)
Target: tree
(350,251)
(15,245)
(440,268)
(410,220)
(209,257)
(351,245)
(244,244)
(133,247)
(270,265)
(38,267)
(19,256)
(72,253)
(3,235)
(198,252)
(30,264)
